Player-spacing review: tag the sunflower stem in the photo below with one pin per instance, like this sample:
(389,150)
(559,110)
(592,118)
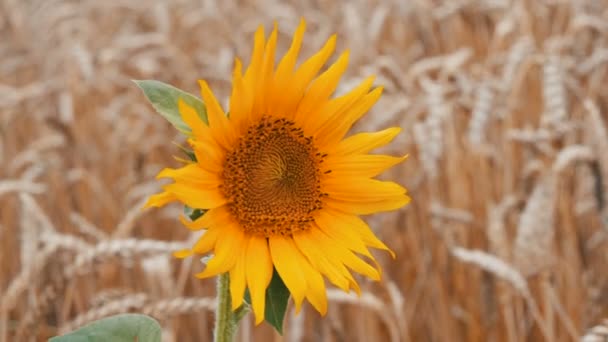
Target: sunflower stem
(225,320)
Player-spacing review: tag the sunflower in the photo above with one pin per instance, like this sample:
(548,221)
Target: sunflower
(282,185)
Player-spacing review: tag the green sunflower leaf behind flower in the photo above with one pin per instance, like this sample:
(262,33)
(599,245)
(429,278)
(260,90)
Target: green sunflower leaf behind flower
(164,98)
(277,296)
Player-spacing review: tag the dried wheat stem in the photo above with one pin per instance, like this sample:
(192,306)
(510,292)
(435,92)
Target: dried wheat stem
(86,227)
(124,228)
(451,214)
(519,51)
(108,295)
(497,236)
(481,115)
(571,155)
(506,272)
(369,301)
(450,63)
(33,313)
(124,248)
(598,333)
(425,155)
(494,265)
(133,302)
(25,279)
(65,242)
(21,186)
(533,242)
(35,150)
(554,94)
(176,306)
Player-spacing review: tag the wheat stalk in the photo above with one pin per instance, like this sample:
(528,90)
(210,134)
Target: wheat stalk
(504,271)
(497,236)
(176,306)
(120,248)
(554,94)
(161,309)
(495,266)
(532,249)
(571,155)
(481,114)
(368,301)
(122,305)
(25,278)
(21,186)
(86,227)
(598,333)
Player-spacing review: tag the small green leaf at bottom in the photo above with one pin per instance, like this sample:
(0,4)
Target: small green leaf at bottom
(119,328)
(277,296)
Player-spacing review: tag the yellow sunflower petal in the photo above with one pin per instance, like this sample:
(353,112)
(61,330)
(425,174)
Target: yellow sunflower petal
(205,146)
(362,189)
(216,217)
(252,75)
(192,119)
(363,230)
(367,208)
(315,293)
(321,122)
(267,75)
(197,197)
(183,253)
(258,274)
(364,142)
(204,244)
(364,166)
(209,154)
(284,72)
(159,200)
(299,276)
(241,99)
(342,121)
(340,231)
(322,88)
(288,61)
(349,259)
(193,174)
(287,104)
(287,258)
(335,266)
(219,126)
(230,239)
(207,241)
(316,257)
(237,278)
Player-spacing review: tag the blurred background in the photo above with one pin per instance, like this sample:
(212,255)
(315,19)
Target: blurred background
(503,105)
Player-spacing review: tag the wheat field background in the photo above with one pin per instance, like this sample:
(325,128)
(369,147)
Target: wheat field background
(504,110)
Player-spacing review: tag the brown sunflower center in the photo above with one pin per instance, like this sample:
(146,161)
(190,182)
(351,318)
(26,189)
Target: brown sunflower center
(272,177)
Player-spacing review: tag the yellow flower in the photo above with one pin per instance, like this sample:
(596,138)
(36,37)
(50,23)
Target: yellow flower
(283,186)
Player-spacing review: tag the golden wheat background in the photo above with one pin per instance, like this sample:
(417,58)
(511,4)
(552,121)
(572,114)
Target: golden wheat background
(504,109)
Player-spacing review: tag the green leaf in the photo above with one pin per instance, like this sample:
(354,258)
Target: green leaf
(192,213)
(187,151)
(190,154)
(277,296)
(119,328)
(164,99)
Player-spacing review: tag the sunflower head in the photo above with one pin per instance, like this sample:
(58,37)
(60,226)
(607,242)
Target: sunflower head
(282,185)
